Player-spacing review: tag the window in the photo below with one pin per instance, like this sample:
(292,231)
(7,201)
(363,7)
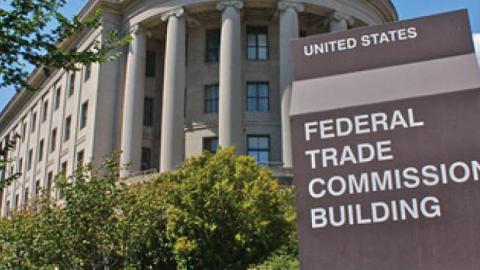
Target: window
(45,111)
(34,122)
(30,159)
(17,200)
(213,45)
(258,97)
(210,144)
(80,157)
(71,84)
(37,188)
(49,184)
(88,71)
(150,68)
(83,115)
(68,125)
(20,165)
(53,140)
(148,112)
(146,158)
(24,131)
(257,43)
(211,98)
(7,210)
(58,95)
(64,167)
(40,150)
(259,148)
(25,196)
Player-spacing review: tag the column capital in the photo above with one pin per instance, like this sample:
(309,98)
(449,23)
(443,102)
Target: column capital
(339,16)
(177,12)
(285,4)
(138,29)
(236,4)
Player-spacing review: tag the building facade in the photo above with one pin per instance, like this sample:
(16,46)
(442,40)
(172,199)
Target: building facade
(197,74)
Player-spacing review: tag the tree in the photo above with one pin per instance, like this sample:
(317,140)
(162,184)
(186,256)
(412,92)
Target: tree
(27,40)
(226,212)
(216,212)
(5,161)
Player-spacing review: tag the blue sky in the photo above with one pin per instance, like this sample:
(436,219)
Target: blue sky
(406,9)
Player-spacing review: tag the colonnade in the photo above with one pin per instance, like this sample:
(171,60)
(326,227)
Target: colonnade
(230,83)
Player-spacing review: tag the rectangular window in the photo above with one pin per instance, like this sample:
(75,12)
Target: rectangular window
(20,165)
(148,112)
(58,94)
(257,43)
(68,126)
(53,140)
(64,167)
(88,71)
(45,111)
(7,208)
(151,61)
(26,196)
(258,97)
(211,98)
(17,201)
(24,131)
(146,158)
(83,115)
(34,122)
(80,157)
(210,144)
(213,45)
(49,184)
(30,159)
(259,148)
(71,84)
(37,188)
(40,150)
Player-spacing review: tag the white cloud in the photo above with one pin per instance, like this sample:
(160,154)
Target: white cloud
(476,40)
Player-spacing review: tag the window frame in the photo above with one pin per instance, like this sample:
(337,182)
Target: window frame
(207,141)
(257,97)
(211,104)
(68,126)
(257,30)
(71,84)
(144,162)
(83,115)
(258,150)
(211,34)
(148,116)
(150,64)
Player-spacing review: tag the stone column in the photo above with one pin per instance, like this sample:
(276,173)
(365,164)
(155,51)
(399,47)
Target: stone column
(230,86)
(340,22)
(288,30)
(173,120)
(133,103)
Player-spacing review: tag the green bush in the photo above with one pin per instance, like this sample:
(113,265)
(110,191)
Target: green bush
(216,212)
(279,262)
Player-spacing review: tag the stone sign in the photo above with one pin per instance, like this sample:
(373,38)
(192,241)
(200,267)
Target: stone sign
(386,143)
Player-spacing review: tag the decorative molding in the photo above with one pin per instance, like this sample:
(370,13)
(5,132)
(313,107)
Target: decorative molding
(177,12)
(236,4)
(138,29)
(339,16)
(285,4)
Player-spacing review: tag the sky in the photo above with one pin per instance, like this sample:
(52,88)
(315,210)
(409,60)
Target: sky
(406,9)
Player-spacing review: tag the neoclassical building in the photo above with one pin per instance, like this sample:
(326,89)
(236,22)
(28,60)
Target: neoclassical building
(197,74)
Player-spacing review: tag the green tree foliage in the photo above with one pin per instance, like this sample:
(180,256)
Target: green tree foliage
(216,212)
(26,39)
(5,161)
